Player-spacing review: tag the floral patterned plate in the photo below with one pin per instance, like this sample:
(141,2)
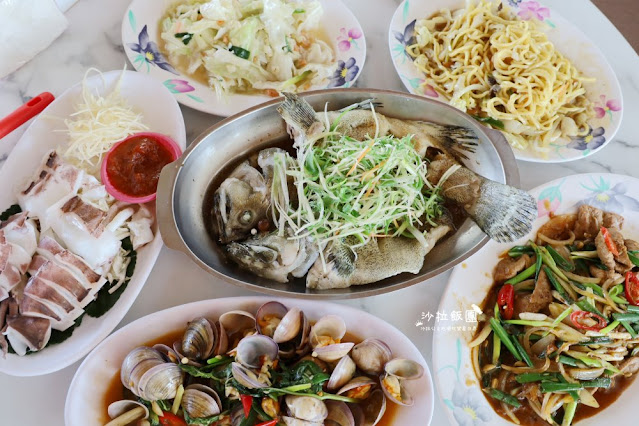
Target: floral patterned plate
(140,35)
(456,382)
(605,92)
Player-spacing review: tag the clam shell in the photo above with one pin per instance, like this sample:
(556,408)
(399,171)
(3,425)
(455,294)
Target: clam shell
(304,338)
(133,360)
(177,348)
(252,349)
(222,344)
(306,408)
(356,383)
(333,352)
(328,326)
(289,327)
(404,369)
(292,421)
(371,356)
(200,401)
(236,321)
(138,372)
(198,339)
(406,397)
(343,372)
(357,412)
(160,382)
(168,353)
(373,408)
(264,314)
(245,377)
(338,414)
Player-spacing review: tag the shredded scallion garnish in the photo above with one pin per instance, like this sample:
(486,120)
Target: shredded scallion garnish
(365,189)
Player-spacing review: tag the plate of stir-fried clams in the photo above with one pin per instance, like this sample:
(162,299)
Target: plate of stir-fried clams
(549,331)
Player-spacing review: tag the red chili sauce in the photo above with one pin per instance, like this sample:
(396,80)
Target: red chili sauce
(134,166)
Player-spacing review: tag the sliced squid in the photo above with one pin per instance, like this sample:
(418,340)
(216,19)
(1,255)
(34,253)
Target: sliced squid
(24,332)
(83,230)
(52,182)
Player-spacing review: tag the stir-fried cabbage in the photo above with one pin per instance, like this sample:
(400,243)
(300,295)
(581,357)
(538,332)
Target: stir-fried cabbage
(249,45)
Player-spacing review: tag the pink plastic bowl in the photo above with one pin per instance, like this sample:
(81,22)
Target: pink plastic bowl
(164,140)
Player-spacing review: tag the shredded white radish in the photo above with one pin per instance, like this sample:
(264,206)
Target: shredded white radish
(98,123)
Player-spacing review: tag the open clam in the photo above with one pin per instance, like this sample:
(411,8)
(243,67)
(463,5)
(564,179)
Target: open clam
(358,387)
(254,351)
(326,336)
(396,372)
(246,377)
(278,322)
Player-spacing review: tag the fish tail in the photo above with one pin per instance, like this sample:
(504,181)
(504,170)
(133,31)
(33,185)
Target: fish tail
(503,212)
(297,112)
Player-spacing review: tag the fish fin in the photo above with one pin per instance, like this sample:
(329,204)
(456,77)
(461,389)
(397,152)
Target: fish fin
(343,258)
(456,140)
(367,104)
(297,112)
(503,212)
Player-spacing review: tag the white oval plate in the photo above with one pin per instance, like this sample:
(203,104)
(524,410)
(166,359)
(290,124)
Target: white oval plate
(469,283)
(143,16)
(605,92)
(85,399)
(161,114)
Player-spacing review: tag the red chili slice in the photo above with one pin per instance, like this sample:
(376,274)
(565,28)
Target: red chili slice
(506,301)
(170,419)
(578,316)
(632,288)
(247,403)
(269,423)
(609,242)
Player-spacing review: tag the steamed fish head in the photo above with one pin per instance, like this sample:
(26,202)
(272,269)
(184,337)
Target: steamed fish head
(274,256)
(240,203)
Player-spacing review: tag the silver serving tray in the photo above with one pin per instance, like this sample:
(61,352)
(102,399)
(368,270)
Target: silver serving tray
(183,185)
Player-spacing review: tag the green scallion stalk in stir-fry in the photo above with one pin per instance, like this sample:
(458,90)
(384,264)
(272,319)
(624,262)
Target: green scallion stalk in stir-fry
(565,309)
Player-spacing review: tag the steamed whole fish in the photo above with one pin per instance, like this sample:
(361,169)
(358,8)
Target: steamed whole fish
(241,201)
(503,212)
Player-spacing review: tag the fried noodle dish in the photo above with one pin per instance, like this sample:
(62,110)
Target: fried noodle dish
(558,337)
(504,71)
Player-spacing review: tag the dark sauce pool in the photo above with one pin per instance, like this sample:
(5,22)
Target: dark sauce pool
(116,392)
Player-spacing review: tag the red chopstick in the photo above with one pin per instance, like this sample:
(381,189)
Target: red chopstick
(25,113)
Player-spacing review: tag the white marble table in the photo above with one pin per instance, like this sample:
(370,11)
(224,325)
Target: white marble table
(93,40)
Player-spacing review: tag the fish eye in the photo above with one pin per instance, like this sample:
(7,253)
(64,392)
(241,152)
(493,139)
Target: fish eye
(246,217)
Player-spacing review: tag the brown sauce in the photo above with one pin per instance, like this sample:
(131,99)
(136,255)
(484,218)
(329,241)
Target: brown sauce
(116,391)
